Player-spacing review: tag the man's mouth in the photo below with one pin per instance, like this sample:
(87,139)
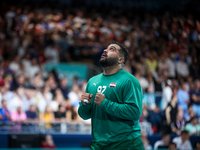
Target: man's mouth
(103,55)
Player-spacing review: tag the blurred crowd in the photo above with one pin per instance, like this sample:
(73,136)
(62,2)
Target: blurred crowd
(164,56)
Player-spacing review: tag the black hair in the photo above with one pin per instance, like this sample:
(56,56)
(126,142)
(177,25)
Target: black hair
(184,132)
(164,134)
(195,144)
(122,50)
(172,143)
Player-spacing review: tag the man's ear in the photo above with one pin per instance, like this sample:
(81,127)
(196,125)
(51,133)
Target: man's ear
(121,60)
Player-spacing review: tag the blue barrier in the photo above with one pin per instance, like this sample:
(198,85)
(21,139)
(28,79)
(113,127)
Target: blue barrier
(83,140)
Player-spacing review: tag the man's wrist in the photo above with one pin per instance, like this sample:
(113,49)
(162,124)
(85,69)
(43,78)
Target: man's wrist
(103,102)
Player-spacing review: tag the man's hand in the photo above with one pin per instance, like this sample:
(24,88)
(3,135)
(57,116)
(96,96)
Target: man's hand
(99,99)
(87,96)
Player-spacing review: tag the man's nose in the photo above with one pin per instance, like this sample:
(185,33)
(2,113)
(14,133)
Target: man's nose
(105,50)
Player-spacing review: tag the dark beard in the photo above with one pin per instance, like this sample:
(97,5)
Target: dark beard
(108,62)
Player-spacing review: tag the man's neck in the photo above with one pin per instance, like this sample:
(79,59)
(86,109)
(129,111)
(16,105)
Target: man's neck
(111,70)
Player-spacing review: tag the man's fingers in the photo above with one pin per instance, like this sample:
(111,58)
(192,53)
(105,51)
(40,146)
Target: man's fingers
(91,95)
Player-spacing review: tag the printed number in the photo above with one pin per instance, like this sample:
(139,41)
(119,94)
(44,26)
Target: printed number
(101,89)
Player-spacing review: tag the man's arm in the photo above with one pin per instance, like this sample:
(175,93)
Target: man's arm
(131,109)
(84,111)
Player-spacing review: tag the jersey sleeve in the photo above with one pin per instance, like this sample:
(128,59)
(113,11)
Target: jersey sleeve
(84,111)
(131,108)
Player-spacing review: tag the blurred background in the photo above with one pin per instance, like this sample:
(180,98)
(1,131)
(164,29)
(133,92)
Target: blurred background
(50,48)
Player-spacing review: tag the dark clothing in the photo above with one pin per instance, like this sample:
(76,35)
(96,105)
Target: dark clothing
(31,115)
(59,115)
(173,112)
(197,93)
(65,91)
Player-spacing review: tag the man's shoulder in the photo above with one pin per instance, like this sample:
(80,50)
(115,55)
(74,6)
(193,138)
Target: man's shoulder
(129,77)
(95,77)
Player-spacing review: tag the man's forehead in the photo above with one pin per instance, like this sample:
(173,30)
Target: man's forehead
(114,45)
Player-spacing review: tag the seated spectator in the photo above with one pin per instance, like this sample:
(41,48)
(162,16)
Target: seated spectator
(189,114)
(152,111)
(183,142)
(165,139)
(172,146)
(167,94)
(182,68)
(170,114)
(193,127)
(32,114)
(60,115)
(63,87)
(74,95)
(48,143)
(183,98)
(58,99)
(47,116)
(19,115)
(4,113)
(195,98)
(197,145)
(145,141)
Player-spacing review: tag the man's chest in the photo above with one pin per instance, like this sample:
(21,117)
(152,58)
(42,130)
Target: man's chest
(112,89)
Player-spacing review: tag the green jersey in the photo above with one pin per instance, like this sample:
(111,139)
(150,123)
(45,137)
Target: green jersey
(117,118)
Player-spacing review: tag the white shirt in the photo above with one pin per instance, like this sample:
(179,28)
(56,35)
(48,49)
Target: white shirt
(167,95)
(158,143)
(74,99)
(182,68)
(171,66)
(186,145)
(52,55)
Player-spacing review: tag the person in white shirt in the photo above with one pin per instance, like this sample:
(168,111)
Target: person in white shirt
(167,94)
(165,139)
(182,68)
(183,142)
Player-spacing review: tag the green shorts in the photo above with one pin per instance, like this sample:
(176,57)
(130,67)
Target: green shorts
(135,144)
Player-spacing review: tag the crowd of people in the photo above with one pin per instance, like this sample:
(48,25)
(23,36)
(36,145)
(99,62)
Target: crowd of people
(164,56)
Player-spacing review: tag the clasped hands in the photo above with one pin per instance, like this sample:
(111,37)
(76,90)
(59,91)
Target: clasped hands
(98,98)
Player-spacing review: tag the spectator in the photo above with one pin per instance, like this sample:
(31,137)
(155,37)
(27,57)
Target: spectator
(167,94)
(45,97)
(195,98)
(183,142)
(58,99)
(4,113)
(145,141)
(32,114)
(153,112)
(48,143)
(47,117)
(190,113)
(164,142)
(170,114)
(183,98)
(171,65)
(197,145)
(172,146)
(60,115)
(63,87)
(51,53)
(19,115)
(193,127)
(182,67)
(74,95)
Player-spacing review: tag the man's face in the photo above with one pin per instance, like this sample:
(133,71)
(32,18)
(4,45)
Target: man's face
(110,56)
